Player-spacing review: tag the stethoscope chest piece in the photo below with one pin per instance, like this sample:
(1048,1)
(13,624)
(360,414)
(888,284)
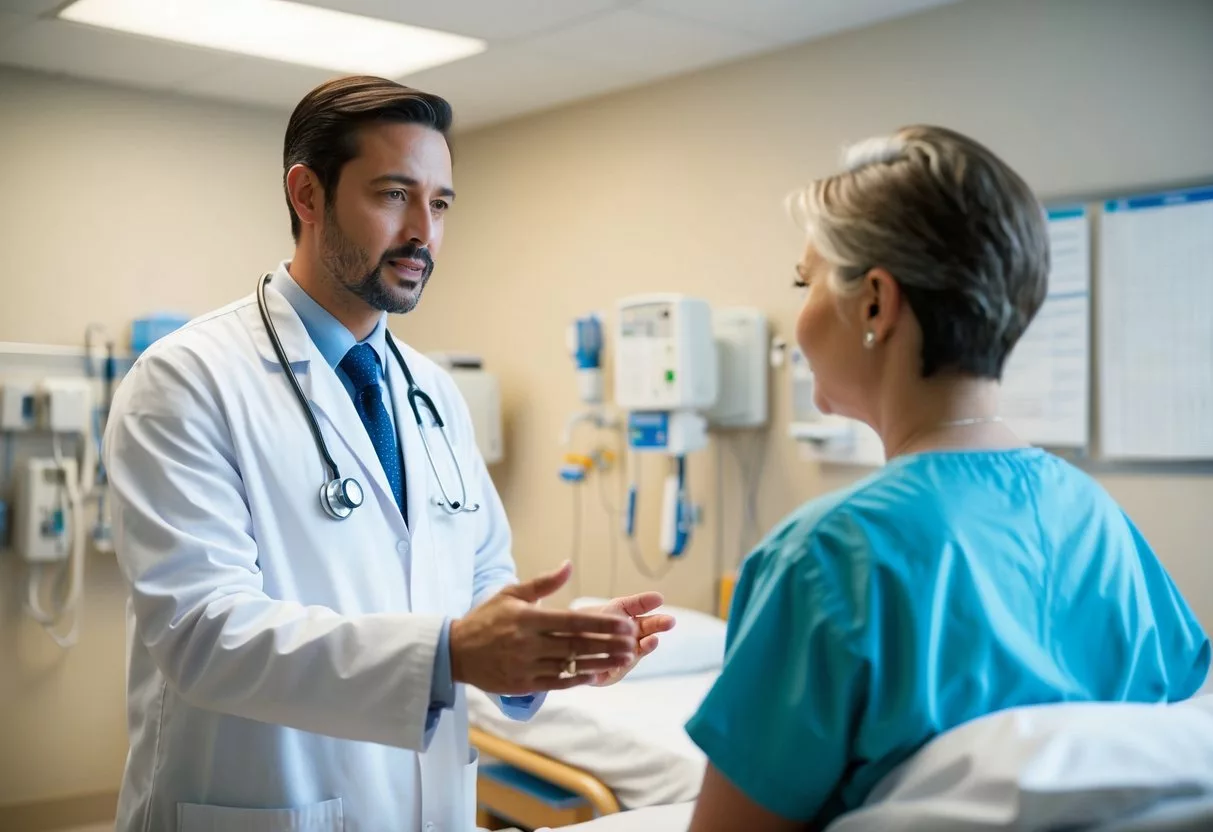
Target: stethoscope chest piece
(340,497)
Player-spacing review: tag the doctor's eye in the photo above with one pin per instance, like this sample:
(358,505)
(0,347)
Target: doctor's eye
(440,205)
(395,195)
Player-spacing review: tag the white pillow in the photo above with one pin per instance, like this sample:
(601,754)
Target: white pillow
(695,645)
(1068,765)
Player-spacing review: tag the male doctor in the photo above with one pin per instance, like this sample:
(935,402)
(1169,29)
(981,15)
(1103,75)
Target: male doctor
(289,670)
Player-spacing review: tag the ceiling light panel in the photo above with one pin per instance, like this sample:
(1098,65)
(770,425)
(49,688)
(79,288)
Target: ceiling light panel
(281,30)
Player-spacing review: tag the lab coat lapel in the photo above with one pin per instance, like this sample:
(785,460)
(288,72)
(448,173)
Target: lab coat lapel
(320,385)
(424,585)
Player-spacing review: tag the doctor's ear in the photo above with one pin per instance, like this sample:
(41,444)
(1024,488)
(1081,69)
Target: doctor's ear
(305,193)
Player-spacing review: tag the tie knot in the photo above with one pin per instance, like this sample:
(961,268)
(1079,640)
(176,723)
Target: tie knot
(361,364)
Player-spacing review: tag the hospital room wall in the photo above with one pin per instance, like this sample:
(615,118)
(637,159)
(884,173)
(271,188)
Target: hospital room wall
(116,204)
(678,187)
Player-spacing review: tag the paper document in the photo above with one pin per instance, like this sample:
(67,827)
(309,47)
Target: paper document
(1046,383)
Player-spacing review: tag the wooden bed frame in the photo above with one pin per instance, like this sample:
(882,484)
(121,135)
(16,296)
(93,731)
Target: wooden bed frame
(571,794)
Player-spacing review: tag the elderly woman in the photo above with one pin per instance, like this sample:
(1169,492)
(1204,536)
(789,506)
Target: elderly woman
(972,573)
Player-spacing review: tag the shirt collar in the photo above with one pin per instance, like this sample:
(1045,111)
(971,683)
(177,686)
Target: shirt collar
(329,335)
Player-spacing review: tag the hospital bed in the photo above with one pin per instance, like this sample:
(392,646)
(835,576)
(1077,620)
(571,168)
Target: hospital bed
(617,759)
(1095,767)
(592,752)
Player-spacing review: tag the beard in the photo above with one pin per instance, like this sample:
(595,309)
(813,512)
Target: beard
(352,267)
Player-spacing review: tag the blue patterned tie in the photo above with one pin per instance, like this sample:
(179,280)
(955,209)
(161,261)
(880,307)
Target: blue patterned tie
(361,364)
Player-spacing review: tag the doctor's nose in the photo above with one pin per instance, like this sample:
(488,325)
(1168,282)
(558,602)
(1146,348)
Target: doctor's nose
(418,228)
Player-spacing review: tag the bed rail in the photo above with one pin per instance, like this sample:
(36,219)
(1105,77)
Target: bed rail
(580,782)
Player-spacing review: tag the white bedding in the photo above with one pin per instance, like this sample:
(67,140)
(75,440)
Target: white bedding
(1179,815)
(630,735)
(1100,767)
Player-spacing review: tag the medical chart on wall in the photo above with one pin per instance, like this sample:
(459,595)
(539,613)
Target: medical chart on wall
(1155,325)
(1046,382)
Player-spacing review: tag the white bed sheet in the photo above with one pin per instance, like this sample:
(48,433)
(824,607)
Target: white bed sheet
(1179,815)
(629,735)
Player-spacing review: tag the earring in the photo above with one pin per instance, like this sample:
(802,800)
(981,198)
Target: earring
(869,339)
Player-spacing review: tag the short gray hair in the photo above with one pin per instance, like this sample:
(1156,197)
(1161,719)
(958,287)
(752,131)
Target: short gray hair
(961,233)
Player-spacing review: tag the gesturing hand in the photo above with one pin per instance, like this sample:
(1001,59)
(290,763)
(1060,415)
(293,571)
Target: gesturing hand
(637,607)
(509,645)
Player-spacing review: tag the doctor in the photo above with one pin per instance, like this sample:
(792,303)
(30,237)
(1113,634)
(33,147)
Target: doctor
(314,571)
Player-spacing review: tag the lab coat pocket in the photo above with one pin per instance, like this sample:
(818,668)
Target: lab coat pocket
(470,801)
(326,816)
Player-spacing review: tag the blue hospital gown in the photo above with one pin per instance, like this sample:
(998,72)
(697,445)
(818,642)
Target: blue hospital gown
(946,586)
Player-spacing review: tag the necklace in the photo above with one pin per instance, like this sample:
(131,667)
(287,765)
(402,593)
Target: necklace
(975,420)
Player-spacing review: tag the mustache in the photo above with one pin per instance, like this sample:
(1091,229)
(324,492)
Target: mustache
(412,251)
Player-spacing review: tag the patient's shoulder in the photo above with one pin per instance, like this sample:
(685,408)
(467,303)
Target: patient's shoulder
(817,545)
(836,518)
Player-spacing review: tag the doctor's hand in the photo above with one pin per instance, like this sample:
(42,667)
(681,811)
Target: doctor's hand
(509,645)
(637,607)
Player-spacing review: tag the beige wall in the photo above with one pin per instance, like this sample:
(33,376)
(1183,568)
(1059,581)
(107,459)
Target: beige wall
(117,203)
(120,203)
(678,187)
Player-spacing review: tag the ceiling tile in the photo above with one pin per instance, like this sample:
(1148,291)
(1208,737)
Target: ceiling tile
(512,79)
(788,21)
(655,45)
(257,81)
(10,24)
(490,19)
(72,49)
(32,7)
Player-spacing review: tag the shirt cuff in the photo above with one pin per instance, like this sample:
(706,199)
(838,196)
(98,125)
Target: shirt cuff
(522,708)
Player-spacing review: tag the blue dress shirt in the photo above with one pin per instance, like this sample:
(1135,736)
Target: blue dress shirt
(333,341)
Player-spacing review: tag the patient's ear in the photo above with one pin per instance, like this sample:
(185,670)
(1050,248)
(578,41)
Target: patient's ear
(879,305)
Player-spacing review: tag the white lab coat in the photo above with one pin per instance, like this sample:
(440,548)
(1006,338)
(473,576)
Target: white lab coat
(280,661)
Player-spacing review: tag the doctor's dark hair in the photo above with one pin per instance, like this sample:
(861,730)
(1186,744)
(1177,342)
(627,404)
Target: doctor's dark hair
(323,130)
(960,231)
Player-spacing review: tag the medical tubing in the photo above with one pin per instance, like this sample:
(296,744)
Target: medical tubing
(638,558)
(719,548)
(335,473)
(575,554)
(612,519)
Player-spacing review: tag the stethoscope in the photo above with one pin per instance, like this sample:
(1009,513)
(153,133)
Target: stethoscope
(339,496)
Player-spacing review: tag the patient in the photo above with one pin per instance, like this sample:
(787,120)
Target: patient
(972,573)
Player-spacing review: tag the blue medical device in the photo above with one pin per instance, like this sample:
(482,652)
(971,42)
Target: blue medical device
(585,347)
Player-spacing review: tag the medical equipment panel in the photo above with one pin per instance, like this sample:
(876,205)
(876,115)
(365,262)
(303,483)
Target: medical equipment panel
(585,345)
(64,405)
(665,354)
(42,528)
(742,355)
(17,411)
(54,403)
(482,393)
(676,434)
